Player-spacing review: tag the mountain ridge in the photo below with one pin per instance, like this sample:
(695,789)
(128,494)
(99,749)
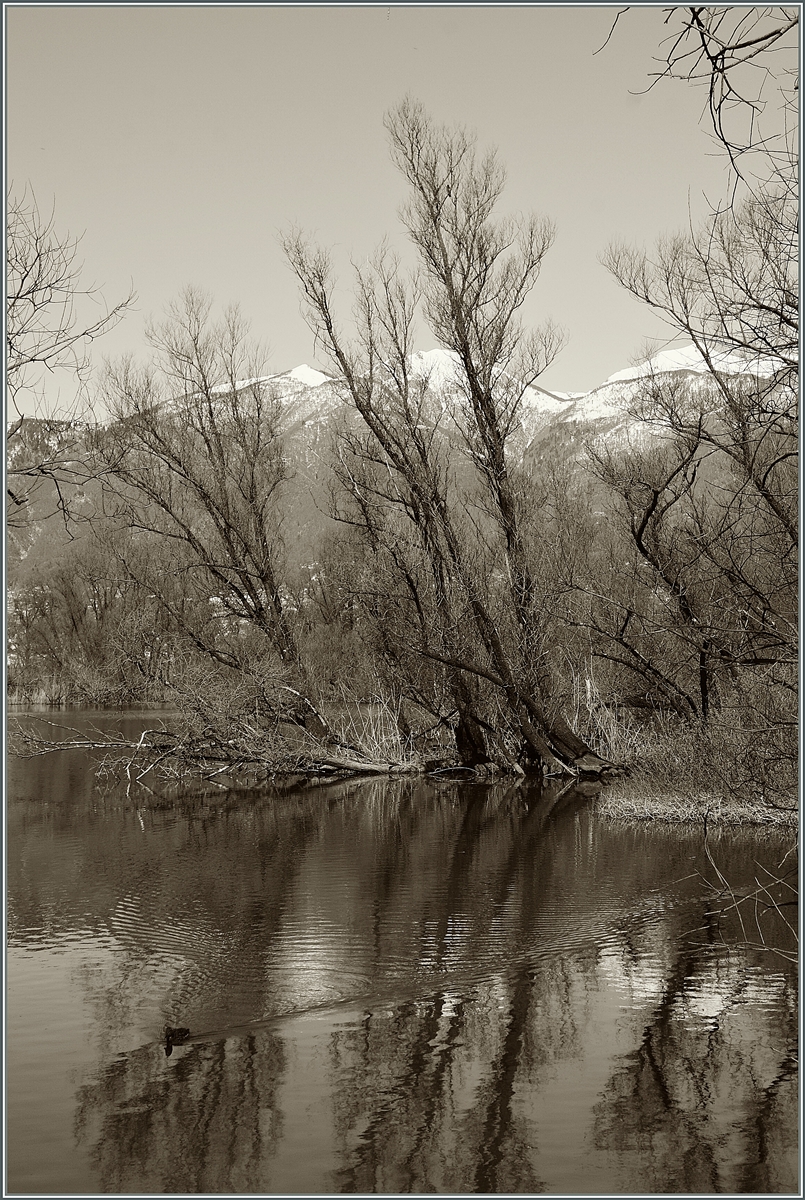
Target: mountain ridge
(311,396)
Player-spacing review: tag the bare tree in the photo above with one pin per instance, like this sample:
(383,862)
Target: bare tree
(731,285)
(746,57)
(46,336)
(702,577)
(475,274)
(194,455)
(721,536)
(193,458)
(81,628)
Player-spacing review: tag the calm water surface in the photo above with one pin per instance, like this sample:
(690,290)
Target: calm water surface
(392,987)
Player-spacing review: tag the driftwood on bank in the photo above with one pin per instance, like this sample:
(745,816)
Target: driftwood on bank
(163,750)
(207,754)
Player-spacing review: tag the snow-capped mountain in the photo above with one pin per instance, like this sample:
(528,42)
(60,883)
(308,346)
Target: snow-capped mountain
(313,401)
(311,397)
(605,410)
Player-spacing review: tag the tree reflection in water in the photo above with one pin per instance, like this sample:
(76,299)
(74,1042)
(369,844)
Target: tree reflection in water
(413,988)
(210,1125)
(708,1100)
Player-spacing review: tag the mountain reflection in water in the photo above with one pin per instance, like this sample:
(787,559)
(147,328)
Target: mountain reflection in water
(391,987)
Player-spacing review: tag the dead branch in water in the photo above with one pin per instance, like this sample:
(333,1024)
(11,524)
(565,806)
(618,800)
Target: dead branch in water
(177,753)
(758,904)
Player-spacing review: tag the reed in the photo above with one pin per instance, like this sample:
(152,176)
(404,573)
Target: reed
(374,727)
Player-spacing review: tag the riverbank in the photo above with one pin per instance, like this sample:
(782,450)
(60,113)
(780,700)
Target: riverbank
(628,802)
(663,775)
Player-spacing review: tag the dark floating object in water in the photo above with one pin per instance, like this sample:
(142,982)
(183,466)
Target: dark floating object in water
(174,1037)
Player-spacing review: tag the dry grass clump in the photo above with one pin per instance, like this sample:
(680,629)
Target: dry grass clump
(615,734)
(373,728)
(733,771)
(635,800)
(689,773)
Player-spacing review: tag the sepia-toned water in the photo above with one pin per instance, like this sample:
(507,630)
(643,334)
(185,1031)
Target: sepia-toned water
(391,987)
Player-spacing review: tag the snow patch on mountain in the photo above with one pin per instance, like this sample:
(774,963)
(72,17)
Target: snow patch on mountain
(606,406)
(689,358)
(439,366)
(308,376)
(442,369)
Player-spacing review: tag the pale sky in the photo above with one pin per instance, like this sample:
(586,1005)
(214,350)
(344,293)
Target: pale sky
(181,140)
